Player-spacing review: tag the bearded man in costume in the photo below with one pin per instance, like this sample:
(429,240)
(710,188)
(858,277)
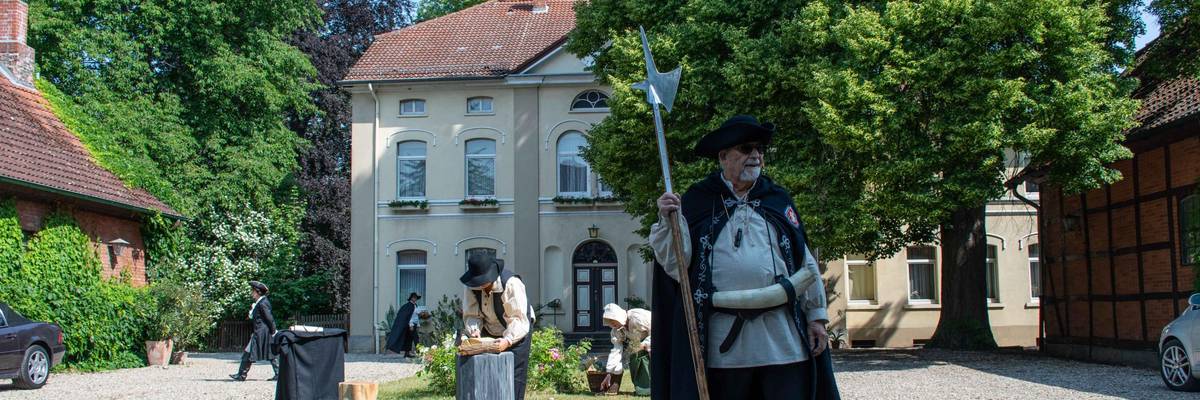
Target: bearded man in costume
(740,231)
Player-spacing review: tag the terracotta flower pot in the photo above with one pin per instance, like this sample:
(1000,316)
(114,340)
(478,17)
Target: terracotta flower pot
(179,357)
(158,352)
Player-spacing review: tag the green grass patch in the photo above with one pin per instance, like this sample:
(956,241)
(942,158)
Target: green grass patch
(416,388)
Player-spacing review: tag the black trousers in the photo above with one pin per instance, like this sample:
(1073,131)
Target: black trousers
(520,352)
(244,366)
(787,381)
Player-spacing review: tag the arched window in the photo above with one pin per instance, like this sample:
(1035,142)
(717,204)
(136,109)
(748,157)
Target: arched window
(572,169)
(410,275)
(481,168)
(412,107)
(591,100)
(410,169)
(477,250)
(479,105)
(993,277)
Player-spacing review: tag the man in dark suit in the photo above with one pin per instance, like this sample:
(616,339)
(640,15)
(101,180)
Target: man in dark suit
(403,334)
(259,347)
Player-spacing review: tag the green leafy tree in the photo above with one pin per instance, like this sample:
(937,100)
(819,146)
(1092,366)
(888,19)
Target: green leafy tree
(895,117)
(190,100)
(430,9)
(1176,51)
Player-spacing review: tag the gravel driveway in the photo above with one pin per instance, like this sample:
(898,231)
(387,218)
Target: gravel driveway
(934,374)
(862,374)
(206,376)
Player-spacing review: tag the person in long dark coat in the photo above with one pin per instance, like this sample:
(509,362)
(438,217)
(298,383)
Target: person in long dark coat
(740,231)
(259,346)
(403,334)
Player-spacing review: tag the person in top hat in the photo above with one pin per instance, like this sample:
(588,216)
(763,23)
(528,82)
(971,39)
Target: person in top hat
(631,345)
(741,232)
(259,346)
(496,306)
(404,328)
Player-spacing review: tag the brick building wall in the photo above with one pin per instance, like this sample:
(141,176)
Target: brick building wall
(101,224)
(1114,274)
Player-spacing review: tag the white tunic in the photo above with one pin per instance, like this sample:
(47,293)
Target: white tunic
(771,338)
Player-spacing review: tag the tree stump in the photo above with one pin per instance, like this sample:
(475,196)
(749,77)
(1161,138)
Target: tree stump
(486,377)
(358,390)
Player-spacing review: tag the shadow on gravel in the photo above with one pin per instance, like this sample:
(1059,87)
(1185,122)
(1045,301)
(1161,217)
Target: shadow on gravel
(1100,379)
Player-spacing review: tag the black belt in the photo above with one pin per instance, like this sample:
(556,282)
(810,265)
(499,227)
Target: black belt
(744,315)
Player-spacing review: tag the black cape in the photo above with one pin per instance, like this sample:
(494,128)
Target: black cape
(670,362)
(264,327)
(398,338)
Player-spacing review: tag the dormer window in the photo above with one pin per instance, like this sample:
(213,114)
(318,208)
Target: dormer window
(479,105)
(591,100)
(412,107)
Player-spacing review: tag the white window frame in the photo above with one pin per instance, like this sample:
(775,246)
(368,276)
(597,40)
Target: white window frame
(589,109)
(850,264)
(400,295)
(424,158)
(933,276)
(992,271)
(483,100)
(413,112)
(558,166)
(1034,298)
(467,169)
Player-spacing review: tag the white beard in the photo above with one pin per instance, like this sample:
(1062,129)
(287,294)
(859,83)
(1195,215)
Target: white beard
(750,174)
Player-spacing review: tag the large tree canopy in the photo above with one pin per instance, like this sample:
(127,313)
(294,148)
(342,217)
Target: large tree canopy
(895,117)
(324,176)
(1177,51)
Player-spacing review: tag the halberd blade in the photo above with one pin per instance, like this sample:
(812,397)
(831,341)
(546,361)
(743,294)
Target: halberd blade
(660,88)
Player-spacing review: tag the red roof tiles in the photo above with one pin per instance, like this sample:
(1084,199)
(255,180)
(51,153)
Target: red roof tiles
(1166,102)
(492,39)
(38,149)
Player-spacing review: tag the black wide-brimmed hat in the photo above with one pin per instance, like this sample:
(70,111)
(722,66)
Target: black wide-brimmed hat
(736,130)
(414,295)
(259,286)
(481,269)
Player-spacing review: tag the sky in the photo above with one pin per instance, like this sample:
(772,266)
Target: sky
(1151,29)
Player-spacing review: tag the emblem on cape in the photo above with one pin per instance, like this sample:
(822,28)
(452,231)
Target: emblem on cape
(791,216)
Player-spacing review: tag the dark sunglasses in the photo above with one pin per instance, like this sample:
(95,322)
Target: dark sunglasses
(746,148)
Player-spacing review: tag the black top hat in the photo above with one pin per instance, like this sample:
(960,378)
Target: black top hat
(481,269)
(414,295)
(736,130)
(260,287)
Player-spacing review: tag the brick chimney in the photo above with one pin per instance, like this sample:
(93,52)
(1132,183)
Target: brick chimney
(14,53)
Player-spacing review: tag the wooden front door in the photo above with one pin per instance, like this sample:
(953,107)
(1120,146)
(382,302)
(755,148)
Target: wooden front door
(595,284)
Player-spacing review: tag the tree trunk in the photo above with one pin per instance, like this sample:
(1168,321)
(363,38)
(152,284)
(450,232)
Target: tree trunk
(964,322)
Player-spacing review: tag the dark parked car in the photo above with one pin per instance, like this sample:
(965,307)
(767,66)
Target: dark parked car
(28,349)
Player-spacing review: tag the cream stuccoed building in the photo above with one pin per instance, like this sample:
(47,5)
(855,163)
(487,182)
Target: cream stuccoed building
(466,133)
(466,137)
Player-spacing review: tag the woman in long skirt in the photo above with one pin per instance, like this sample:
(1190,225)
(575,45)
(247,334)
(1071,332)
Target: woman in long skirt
(259,346)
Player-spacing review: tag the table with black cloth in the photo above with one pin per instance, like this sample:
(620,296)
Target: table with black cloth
(311,364)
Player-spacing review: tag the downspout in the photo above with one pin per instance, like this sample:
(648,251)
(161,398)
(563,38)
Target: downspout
(374,222)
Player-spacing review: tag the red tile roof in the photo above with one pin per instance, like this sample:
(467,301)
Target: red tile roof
(1166,102)
(39,150)
(492,39)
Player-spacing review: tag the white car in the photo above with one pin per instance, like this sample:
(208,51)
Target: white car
(1178,348)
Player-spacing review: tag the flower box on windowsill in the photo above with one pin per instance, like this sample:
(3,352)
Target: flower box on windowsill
(584,202)
(477,204)
(409,205)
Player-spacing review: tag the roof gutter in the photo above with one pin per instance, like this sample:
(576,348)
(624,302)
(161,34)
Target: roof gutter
(417,80)
(94,199)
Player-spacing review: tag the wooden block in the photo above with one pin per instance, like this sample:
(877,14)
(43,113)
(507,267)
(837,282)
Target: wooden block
(358,390)
(486,377)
